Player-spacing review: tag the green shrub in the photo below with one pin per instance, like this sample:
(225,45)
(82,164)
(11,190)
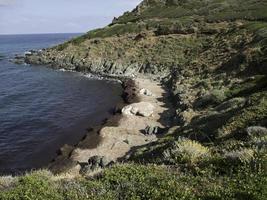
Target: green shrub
(239,156)
(63,46)
(186,151)
(81,189)
(214,97)
(245,88)
(131,181)
(35,186)
(254,113)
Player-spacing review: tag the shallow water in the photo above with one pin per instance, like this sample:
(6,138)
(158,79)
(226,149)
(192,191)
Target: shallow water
(42,109)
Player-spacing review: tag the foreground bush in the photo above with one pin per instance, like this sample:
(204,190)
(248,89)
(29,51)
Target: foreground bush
(35,186)
(132,181)
(186,151)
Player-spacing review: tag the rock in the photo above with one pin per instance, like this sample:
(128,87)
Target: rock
(104,162)
(129,94)
(83,164)
(153,130)
(231,104)
(144,109)
(85,169)
(65,150)
(256,131)
(95,160)
(94,163)
(94,167)
(28,53)
(126,141)
(150,130)
(145,92)
(118,108)
(18,59)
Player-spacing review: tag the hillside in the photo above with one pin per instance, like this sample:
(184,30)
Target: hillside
(212,56)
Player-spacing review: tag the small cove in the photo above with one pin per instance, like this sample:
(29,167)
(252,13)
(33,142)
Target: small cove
(42,109)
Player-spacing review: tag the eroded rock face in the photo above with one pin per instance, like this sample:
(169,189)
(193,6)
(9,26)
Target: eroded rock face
(144,109)
(95,162)
(145,92)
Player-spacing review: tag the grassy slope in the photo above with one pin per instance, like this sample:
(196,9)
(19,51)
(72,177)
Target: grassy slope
(213,56)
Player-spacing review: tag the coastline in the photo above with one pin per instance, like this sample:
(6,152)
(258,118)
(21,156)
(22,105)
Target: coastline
(43,154)
(63,154)
(119,134)
(193,123)
(100,139)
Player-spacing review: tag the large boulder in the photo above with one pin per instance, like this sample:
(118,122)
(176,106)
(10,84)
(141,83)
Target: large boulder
(144,109)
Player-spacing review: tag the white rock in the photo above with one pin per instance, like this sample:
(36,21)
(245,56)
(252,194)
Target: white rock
(144,109)
(257,131)
(145,92)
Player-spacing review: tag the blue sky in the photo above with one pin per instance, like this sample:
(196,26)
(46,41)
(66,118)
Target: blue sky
(59,16)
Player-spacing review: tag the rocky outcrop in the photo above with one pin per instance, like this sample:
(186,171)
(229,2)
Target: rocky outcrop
(153,130)
(144,109)
(94,163)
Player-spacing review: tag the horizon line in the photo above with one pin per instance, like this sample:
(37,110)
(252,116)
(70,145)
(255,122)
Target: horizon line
(42,33)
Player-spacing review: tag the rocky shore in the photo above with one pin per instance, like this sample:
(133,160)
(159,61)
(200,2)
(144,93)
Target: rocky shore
(208,140)
(141,120)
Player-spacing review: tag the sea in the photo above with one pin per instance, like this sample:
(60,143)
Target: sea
(41,109)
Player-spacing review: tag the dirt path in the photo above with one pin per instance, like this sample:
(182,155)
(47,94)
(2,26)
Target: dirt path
(121,132)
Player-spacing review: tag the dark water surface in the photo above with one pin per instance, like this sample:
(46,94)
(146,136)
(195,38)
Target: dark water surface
(42,109)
